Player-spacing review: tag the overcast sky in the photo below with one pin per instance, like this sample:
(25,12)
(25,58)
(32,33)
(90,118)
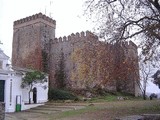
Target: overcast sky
(67,13)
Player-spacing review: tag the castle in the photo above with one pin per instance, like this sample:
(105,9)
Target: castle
(78,61)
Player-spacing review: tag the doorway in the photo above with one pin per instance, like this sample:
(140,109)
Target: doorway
(34,95)
(2,83)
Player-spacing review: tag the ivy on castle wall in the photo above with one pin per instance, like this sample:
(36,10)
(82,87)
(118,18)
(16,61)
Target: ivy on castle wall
(45,60)
(60,75)
(100,65)
(94,67)
(126,70)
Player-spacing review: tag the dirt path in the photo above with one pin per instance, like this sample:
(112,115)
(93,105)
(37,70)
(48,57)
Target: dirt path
(44,112)
(26,116)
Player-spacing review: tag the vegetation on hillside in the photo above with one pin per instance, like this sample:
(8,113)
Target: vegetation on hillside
(58,94)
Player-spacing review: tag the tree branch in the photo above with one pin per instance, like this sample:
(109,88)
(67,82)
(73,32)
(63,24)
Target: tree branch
(156,4)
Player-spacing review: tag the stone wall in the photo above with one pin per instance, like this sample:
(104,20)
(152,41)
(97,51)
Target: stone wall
(65,46)
(35,47)
(30,41)
(122,69)
(126,69)
(2,111)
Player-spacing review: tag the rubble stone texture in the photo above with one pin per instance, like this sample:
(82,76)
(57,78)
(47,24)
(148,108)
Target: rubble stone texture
(35,47)
(2,111)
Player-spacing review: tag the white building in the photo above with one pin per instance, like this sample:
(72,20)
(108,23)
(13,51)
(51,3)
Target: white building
(11,93)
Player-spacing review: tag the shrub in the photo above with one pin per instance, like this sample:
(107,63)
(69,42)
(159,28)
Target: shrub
(153,95)
(57,94)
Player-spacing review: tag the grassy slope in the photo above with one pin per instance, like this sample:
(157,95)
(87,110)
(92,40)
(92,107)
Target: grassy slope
(102,110)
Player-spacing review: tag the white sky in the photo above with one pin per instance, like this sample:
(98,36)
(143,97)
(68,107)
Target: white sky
(152,88)
(67,13)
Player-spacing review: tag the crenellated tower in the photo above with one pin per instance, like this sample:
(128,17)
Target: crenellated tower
(31,40)
(78,61)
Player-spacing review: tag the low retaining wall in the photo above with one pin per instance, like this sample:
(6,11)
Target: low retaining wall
(2,111)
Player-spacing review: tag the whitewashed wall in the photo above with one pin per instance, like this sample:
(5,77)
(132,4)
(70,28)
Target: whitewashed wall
(13,80)
(42,94)
(16,89)
(13,88)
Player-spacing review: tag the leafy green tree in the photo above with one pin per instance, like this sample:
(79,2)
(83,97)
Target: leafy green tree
(32,78)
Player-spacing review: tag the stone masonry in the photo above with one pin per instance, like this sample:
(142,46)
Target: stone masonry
(35,47)
(30,38)
(2,111)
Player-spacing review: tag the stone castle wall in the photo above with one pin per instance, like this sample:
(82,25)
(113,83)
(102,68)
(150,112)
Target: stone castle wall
(31,36)
(35,47)
(65,46)
(126,60)
(34,19)
(116,54)
(2,111)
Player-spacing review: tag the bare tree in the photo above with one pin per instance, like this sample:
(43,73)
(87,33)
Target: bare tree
(120,20)
(147,69)
(156,75)
(145,74)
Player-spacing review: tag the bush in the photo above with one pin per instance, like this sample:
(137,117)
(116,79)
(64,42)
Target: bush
(153,95)
(57,94)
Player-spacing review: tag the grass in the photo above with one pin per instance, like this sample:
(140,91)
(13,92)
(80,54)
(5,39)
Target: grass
(109,97)
(75,112)
(133,107)
(111,109)
(153,108)
(109,106)
(104,99)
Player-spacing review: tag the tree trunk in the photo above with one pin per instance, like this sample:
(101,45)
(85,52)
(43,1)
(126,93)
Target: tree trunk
(144,95)
(29,97)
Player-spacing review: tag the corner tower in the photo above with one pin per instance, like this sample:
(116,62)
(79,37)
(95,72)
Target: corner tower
(31,36)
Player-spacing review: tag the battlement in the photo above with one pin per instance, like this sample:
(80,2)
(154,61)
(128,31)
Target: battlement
(36,18)
(77,36)
(127,44)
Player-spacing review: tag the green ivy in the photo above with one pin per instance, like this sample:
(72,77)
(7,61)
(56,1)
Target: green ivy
(60,73)
(45,61)
(57,94)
